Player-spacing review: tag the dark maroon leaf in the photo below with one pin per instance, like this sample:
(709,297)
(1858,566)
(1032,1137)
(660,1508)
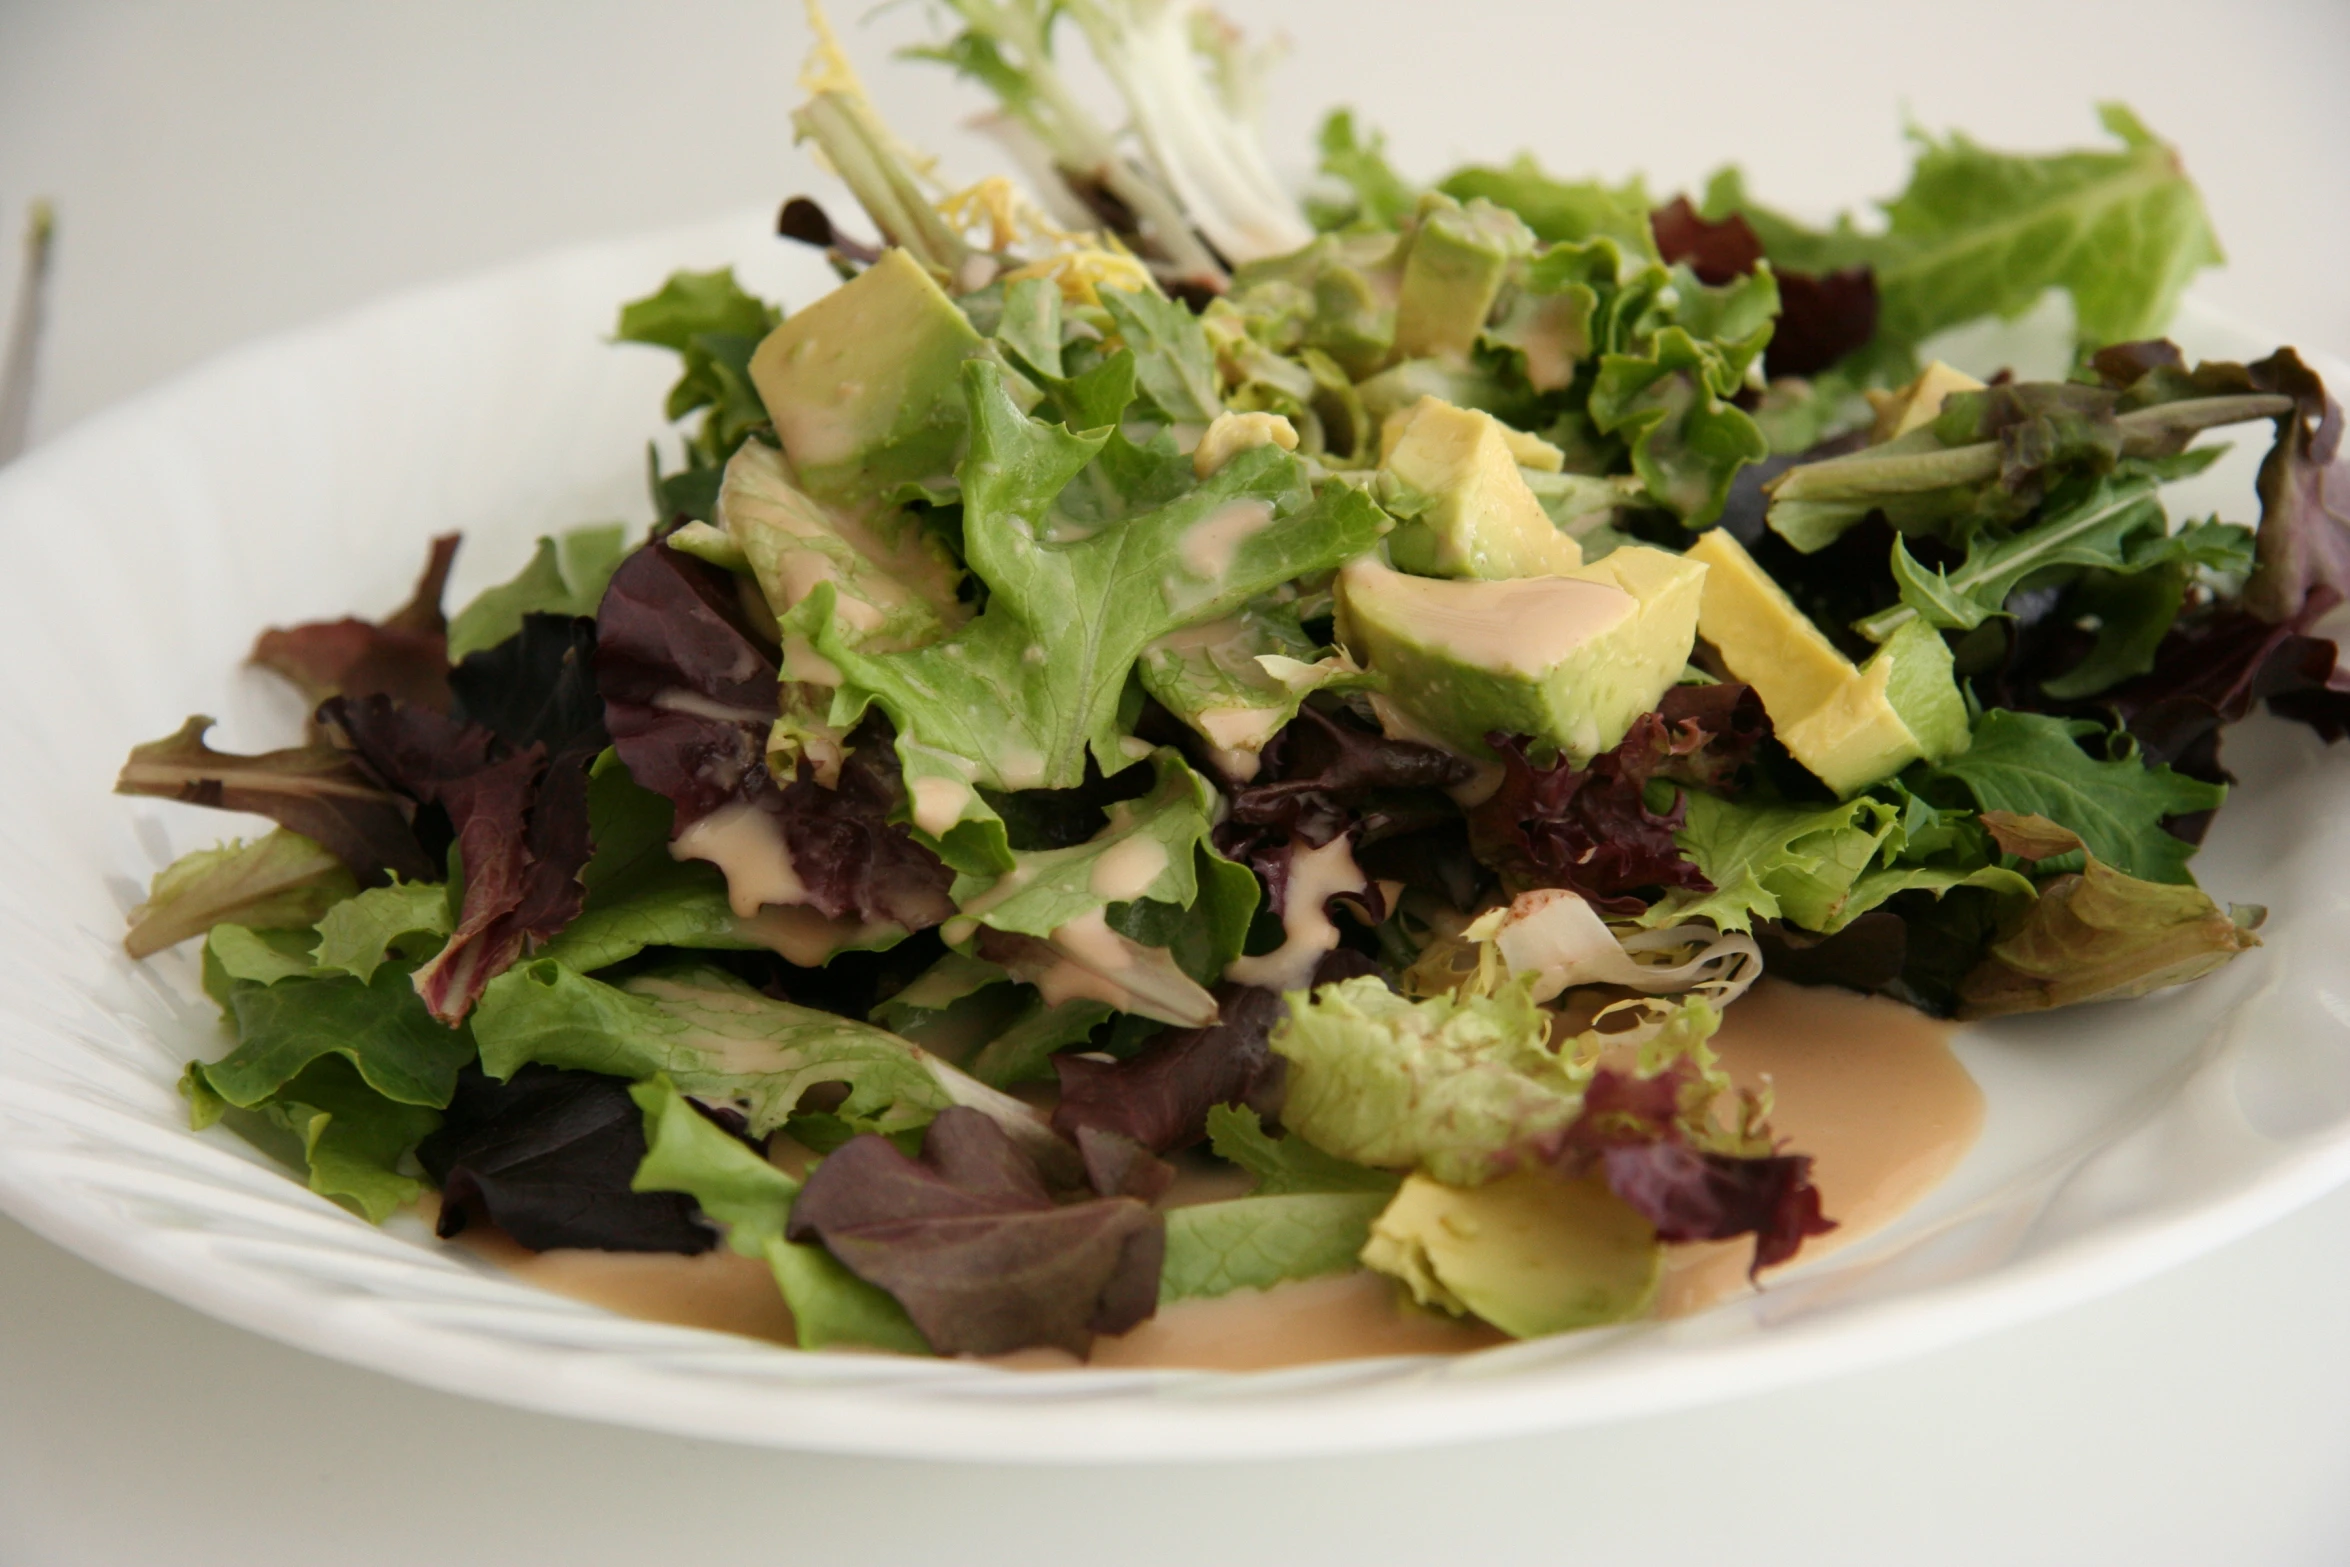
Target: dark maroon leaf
(1590,829)
(970,1242)
(2304,542)
(547,1157)
(1716,252)
(319,791)
(1693,1196)
(1118,1166)
(404,656)
(1866,955)
(1822,317)
(1161,1097)
(1629,1128)
(537,685)
(689,697)
(522,832)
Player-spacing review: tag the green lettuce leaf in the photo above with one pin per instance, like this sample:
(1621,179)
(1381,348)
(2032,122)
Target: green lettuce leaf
(713,325)
(1448,1083)
(1172,363)
(352,1137)
(2033,765)
(1237,681)
(1560,211)
(1380,196)
(279,880)
(715,1037)
(285,1023)
(1091,548)
(1286,1166)
(358,935)
(567,575)
(686,1152)
(1255,1243)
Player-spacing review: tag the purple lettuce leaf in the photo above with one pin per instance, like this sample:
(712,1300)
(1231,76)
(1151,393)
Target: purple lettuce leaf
(1822,317)
(547,1157)
(521,820)
(1590,829)
(405,655)
(319,791)
(1118,1166)
(1631,1127)
(1715,251)
(969,1240)
(689,697)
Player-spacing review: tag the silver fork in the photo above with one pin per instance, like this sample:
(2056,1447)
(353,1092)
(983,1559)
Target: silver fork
(20,367)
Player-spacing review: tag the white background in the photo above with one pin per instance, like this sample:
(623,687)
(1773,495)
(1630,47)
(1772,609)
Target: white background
(226,169)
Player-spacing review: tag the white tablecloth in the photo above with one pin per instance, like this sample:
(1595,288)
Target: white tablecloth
(227,169)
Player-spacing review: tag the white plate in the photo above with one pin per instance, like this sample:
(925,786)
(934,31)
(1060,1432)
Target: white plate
(299,479)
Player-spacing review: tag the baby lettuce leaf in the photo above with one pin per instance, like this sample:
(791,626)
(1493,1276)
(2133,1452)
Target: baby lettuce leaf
(2033,764)
(358,935)
(1286,1166)
(405,656)
(1590,829)
(319,791)
(548,1157)
(352,1137)
(1163,1097)
(2304,543)
(566,576)
(716,1038)
(1090,548)
(712,324)
(2097,935)
(279,880)
(1450,1084)
(522,831)
(751,1199)
(1381,197)
(970,1241)
(690,695)
(1214,1248)
(381,1027)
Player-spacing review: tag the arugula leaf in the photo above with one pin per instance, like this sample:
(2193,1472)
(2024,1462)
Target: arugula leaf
(716,1038)
(357,936)
(2032,764)
(566,575)
(1172,362)
(686,1153)
(1287,1166)
(280,879)
(1214,1248)
(1087,561)
(712,324)
(2098,529)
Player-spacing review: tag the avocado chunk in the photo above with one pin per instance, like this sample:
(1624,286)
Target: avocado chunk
(1919,403)
(1851,727)
(865,384)
(1530,1253)
(1568,660)
(1454,473)
(1453,274)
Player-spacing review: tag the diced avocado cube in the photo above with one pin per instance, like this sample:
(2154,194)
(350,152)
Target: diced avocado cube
(1530,1253)
(1851,727)
(1453,273)
(865,385)
(1471,512)
(1569,661)
(1916,405)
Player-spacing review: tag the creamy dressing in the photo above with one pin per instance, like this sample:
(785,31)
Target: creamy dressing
(1093,962)
(1867,1087)
(1208,547)
(695,705)
(804,937)
(939,803)
(747,845)
(1125,870)
(1315,876)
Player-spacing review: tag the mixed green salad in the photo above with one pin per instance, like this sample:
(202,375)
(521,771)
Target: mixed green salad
(1145,676)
